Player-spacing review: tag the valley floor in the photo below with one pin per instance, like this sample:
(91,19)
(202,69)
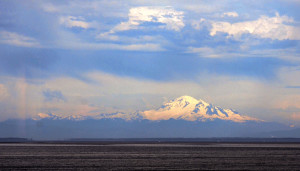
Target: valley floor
(149,156)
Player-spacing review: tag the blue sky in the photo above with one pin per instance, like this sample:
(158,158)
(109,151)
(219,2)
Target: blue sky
(89,57)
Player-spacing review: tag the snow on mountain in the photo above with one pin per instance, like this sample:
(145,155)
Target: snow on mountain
(184,108)
(120,115)
(56,117)
(47,116)
(76,117)
(191,109)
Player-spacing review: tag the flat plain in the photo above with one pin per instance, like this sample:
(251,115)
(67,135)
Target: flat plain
(149,156)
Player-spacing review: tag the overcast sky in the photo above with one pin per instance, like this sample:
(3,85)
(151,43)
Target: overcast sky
(91,57)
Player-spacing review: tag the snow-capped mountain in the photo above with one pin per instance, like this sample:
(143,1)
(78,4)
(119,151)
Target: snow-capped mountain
(182,108)
(191,109)
(182,117)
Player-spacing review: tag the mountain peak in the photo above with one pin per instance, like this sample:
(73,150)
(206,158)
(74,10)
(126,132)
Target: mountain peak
(186,98)
(188,108)
(190,100)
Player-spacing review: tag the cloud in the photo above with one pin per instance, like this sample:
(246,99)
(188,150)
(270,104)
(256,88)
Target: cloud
(290,77)
(143,39)
(53,95)
(296,116)
(16,39)
(230,14)
(172,19)
(202,6)
(141,47)
(199,24)
(205,52)
(264,27)
(289,54)
(108,36)
(3,92)
(48,7)
(73,42)
(148,47)
(72,21)
(98,8)
(289,95)
(167,16)
(288,100)
(225,51)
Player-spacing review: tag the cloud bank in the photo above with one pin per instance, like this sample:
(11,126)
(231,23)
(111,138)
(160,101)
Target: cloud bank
(264,27)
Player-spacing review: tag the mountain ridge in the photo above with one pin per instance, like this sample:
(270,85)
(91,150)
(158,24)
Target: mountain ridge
(184,117)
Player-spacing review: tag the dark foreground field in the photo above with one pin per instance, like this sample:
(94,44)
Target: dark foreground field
(150,156)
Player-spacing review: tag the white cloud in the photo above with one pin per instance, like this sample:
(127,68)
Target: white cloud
(135,40)
(16,39)
(167,16)
(264,27)
(108,36)
(230,14)
(142,47)
(199,24)
(48,7)
(201,6)
(71,21)
(206,52)
(221,52)
(170,18)
(109,46)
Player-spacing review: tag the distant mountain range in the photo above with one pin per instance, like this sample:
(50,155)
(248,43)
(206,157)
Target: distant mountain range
(183,108)
(183,117)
